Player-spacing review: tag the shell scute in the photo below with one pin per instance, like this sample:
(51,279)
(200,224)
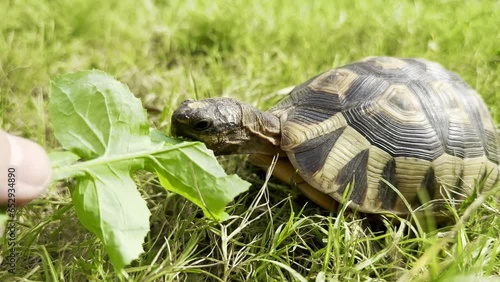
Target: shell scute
(389,123)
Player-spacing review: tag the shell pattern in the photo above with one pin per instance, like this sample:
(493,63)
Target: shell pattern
(405,122)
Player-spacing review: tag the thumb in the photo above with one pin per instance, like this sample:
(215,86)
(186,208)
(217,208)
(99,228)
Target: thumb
(29,166)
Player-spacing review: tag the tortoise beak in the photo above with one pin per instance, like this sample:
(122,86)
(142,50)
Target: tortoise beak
(179,120)
(173,129)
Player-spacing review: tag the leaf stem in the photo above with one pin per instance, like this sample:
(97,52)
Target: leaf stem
(74,169)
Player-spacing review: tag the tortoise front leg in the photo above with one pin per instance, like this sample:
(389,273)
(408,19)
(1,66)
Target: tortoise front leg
(285,172)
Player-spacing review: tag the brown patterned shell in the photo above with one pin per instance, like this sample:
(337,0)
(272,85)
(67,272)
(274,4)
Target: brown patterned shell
(407,122)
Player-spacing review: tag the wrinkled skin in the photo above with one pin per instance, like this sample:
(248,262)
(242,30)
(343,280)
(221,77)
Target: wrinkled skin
(227,126)
(230,127)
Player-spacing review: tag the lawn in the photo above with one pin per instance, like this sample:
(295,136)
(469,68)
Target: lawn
(168,51)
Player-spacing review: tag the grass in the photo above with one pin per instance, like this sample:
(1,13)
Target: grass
(167,51)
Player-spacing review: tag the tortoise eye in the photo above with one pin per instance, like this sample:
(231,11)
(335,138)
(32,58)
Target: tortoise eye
(203,124)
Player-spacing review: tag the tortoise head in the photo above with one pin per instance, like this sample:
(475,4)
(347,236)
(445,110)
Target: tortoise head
(225,125)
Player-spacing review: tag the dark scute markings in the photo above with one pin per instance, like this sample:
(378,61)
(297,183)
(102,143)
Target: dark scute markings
(311,155)
(314,107)
(305,84)
(472,107)
(300,89)
(371,68)
(426,70)
(401,104)
(415,63)
(419,70)
(492,149)
(463,141)
(433,107)
(396,137)
(386,194)
(393,136)
(364,89)
(355,170)
(309,116)
(293,99)
(428,186)
(302,93)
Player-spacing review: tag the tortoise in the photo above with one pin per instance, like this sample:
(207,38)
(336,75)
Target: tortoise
(375,131)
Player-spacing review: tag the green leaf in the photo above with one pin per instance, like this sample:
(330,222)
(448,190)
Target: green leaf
(63,158)
(201,180)
(91,113)
(98,120)
(120,218)
(96,117)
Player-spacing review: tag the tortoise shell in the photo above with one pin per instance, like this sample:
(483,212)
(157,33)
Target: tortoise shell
(382,122)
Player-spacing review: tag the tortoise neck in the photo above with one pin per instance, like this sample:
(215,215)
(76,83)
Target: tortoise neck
(263,131)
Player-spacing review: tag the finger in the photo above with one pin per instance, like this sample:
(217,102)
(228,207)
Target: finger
(31,166)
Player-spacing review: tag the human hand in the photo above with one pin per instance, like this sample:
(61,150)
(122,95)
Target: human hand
(32,169)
